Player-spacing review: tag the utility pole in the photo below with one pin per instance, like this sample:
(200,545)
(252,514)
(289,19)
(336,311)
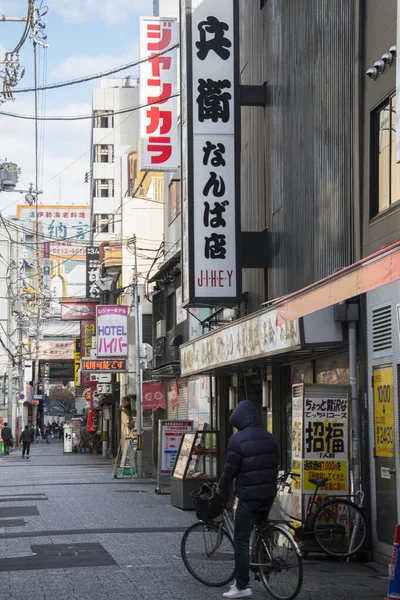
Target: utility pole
(139,425)
(11,412)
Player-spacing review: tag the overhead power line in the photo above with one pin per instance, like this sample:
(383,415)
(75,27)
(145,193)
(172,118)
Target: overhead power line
(53,86)
(82,117)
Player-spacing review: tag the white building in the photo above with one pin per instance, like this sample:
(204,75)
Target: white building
(113,138)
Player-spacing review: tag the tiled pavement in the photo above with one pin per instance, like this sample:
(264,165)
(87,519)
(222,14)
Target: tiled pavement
(79,503)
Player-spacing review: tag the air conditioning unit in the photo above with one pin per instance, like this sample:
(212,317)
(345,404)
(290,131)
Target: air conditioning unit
(161,329)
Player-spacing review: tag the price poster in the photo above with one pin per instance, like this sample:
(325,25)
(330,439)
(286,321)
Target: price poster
(383,411)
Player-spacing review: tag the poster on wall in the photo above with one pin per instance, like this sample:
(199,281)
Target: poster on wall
(170,433)
(383,411)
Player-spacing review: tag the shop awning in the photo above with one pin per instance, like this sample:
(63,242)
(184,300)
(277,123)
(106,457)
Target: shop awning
(275,329)
(363,276)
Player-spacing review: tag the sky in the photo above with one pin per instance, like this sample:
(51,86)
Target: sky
(84,37)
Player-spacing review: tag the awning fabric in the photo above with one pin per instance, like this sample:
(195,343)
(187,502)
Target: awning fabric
(367,274)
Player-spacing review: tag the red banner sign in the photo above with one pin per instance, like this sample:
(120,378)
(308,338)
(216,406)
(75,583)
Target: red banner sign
(154,396)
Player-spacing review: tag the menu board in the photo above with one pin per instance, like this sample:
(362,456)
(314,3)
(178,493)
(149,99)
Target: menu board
(184,455)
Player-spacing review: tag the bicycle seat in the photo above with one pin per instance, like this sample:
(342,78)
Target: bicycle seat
(319,482)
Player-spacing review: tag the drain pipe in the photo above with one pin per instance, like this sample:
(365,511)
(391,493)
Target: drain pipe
(355,413)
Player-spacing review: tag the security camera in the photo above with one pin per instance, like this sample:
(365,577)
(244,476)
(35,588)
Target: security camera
(393,51)
(372,73)
(387,58)
(380,66)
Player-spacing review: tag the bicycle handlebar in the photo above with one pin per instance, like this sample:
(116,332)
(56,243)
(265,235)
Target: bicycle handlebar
(284,477)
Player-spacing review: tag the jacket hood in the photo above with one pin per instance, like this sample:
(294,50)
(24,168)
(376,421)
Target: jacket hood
(244,415)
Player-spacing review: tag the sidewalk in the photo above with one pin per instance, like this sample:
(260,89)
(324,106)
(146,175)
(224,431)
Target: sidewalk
(71,532)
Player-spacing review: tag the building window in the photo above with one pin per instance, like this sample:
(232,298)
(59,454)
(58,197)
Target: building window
(104,153)
(104,223)
(104,188)
(174,193)
(385,188)
(103,119)
(171,311)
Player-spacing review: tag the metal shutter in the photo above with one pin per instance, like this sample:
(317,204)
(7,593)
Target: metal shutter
(147,335)
(181,412)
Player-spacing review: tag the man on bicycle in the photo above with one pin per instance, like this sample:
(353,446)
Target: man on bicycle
(252,459)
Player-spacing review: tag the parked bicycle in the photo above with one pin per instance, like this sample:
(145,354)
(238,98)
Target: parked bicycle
(338,525)
(207,548)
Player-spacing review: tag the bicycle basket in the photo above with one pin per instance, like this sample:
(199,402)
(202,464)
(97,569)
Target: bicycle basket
(208,505)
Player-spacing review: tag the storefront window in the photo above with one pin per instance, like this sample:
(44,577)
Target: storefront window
(302,372)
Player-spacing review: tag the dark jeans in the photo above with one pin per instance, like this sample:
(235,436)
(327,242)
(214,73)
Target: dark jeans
(7,447)
(25,448)
(244,521)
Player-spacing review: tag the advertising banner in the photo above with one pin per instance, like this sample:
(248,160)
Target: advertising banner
(383,411)
(92,271)
(114,365)
(154,396)
(112,330)
(158,87)
(67,228)
(210,113)
(88,331)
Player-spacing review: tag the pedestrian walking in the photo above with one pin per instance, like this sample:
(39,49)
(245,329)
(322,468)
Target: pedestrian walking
(32,430)
(7,438)
(61,432)
(26,439)
(38,434)
(252,459)
(47,433)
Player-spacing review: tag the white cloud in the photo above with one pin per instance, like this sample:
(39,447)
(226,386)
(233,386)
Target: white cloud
(64,142)
(111,11)
(78,66)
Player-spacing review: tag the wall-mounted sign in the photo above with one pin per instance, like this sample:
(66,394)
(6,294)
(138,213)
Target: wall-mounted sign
(56,349)
(112,330)
(255,336)
(92,271)
(210,141)
(383,411)
(104,389)
(117,365)
(77,361)
(67,228)
(158,82)
(78,311)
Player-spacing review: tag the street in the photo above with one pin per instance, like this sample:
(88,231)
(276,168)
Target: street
(71,532)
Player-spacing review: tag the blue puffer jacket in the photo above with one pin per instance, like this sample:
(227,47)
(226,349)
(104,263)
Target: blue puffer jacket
(252,457)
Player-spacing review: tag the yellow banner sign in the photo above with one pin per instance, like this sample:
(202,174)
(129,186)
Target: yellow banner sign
(333,470)
(77,361)
(383,411)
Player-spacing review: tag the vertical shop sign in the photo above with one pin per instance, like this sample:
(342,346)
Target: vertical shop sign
(77,361)
(210,178)
(88,331)
(112,330)
(175,395)
(92,271)
(67,437)
(158,87)
(383,411)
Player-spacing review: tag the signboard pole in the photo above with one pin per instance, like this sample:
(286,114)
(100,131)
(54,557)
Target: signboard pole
(139,456)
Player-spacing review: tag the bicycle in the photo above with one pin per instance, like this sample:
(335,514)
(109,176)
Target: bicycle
(338,525)
(207,548)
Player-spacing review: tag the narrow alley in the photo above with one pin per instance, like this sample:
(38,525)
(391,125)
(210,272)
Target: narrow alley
(71,532)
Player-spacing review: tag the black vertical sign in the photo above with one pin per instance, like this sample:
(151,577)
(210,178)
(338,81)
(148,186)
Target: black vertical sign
(92,271)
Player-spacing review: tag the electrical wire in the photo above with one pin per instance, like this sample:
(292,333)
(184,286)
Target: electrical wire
(135,63)
(83,117)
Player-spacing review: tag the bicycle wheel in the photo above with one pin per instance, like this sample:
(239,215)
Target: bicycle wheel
(207,552)
(340,528)
(279,562)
